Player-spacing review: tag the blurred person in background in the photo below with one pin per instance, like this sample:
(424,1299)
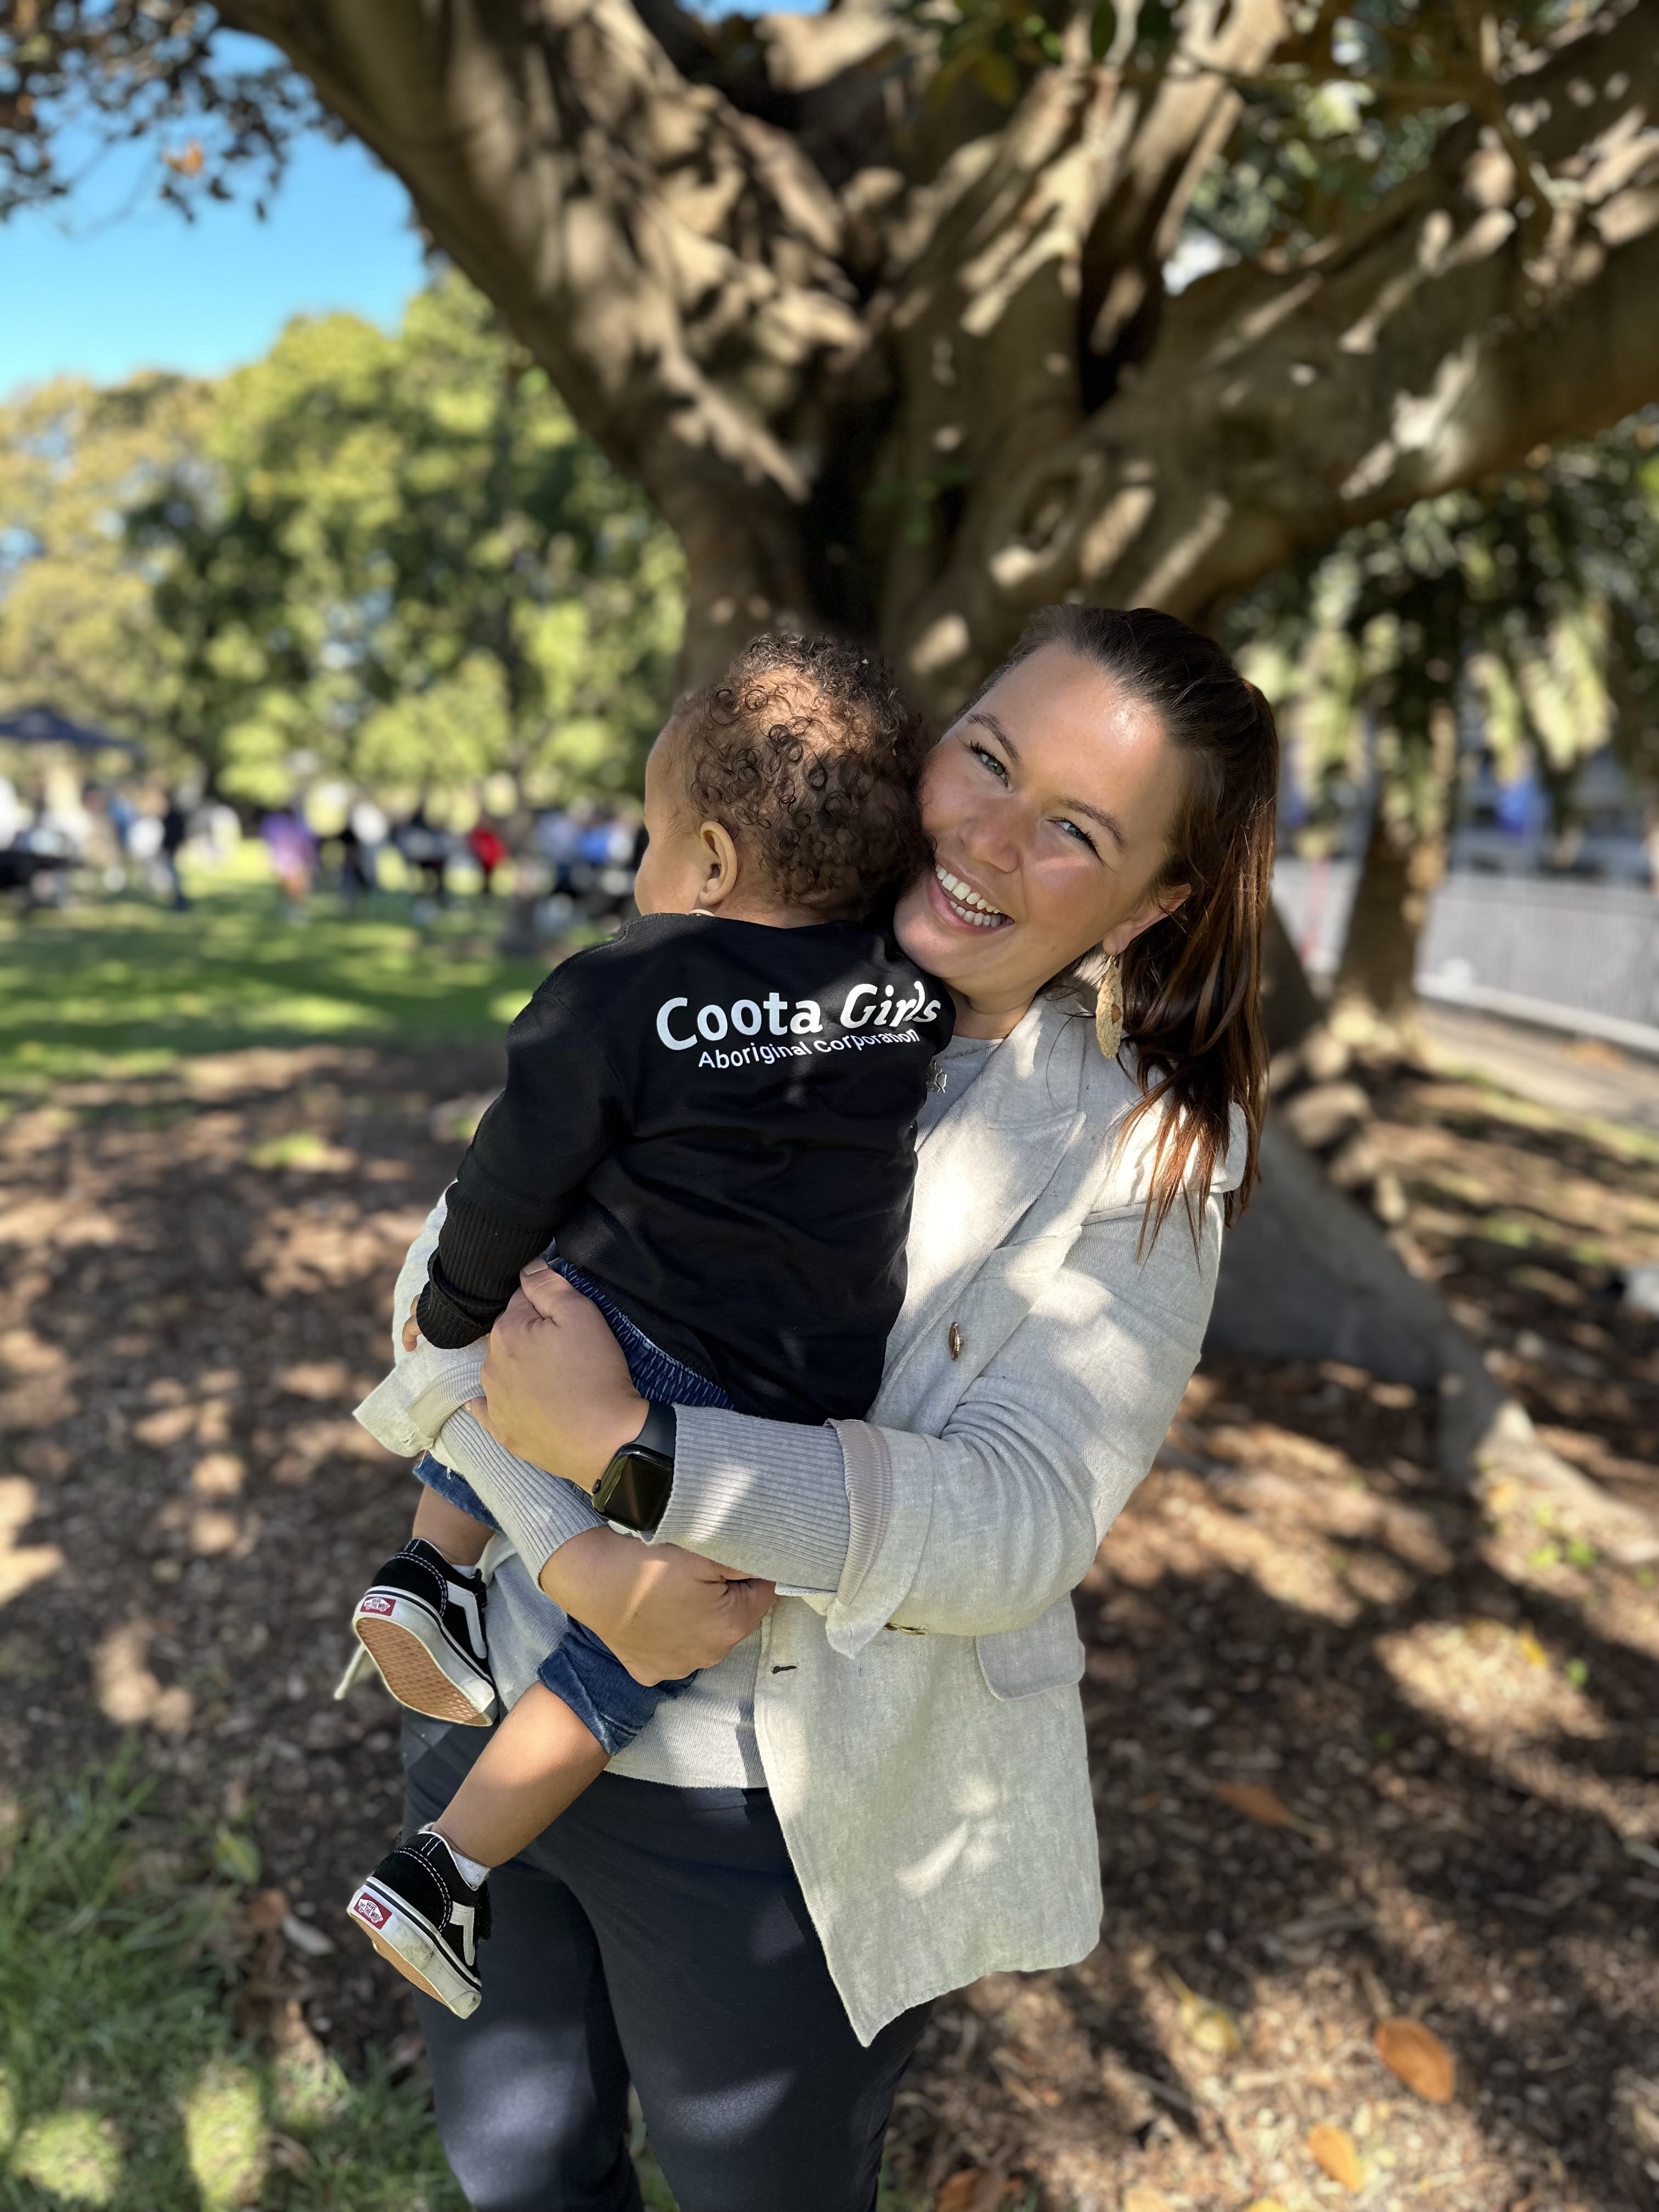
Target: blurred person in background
(371,829)
(121,816)
(353,877)
(175,832)
(426,851)
(487,848)
(556,832)
(216,829)
(293,851)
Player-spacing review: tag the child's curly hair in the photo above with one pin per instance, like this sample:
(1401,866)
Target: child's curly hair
(808,751)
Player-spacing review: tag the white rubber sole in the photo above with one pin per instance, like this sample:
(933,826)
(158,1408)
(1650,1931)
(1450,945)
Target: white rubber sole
(417,1662)
(405,1943)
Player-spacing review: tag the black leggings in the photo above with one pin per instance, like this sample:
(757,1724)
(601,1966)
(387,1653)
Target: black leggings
(658,1935)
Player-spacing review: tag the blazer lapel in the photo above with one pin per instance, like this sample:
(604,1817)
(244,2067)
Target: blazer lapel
(984,1165)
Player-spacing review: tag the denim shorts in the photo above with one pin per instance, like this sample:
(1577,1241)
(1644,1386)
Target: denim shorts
(581,1671)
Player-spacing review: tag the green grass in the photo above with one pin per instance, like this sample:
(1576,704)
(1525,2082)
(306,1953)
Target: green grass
(124,2084)
(127,987)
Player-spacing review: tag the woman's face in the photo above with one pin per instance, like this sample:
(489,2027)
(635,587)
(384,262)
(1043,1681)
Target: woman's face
(1051,805)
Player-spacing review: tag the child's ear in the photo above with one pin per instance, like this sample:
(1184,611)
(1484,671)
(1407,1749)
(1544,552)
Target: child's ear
(720,867)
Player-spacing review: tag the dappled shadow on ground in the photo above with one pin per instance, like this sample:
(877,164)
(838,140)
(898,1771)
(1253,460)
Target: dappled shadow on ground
(1459,1712)
(1456,1714)
(1461,1730)
(195,1293)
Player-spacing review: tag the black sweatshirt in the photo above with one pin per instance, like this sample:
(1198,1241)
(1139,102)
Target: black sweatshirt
(717,1122)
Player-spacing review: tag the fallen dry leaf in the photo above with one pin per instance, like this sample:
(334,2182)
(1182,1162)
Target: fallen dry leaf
(973,2190)
(1264,2205)
(1143,2197)
(265,1912)
(1334,2151)
(1257,1802)
(1417,2055)
(1212,2027)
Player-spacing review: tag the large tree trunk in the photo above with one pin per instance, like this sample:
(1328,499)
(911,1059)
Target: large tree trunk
(1374,998)
(905,366)
(1374,995)
(1308,1275)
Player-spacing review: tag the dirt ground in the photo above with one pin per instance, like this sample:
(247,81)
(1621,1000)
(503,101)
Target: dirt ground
(1448,1717)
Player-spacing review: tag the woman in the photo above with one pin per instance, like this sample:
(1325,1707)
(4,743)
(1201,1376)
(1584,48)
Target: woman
(883,1793)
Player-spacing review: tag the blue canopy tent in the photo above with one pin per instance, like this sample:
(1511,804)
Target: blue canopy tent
(42,726)
(22,862)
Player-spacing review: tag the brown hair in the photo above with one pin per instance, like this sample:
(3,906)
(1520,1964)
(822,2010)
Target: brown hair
(1192,982)
(808,753)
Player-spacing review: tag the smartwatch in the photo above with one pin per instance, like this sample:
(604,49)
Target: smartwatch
(633,1490)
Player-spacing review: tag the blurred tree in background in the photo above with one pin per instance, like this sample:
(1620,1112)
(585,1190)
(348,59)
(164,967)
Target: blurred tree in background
(1521,611)
(391,557)
(78,625)
(396,556)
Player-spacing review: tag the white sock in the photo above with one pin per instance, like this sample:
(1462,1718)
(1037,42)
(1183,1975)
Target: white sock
(474,1870)
(461,1566)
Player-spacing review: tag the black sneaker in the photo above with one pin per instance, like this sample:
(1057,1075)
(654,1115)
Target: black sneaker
(422,1912)
(423,1623)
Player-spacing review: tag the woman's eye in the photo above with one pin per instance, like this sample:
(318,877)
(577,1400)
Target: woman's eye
(990,761)
(1081,836)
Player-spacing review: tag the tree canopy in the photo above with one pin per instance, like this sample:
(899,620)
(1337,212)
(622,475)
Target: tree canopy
(389,554)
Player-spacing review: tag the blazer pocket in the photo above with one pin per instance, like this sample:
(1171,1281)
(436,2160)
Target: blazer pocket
(1047,1654)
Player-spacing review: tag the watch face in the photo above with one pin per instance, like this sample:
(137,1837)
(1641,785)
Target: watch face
(633,1489)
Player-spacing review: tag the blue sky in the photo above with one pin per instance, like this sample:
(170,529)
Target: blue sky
(101,295)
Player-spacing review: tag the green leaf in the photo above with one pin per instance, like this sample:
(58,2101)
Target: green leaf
(237,1856)
(997,75)
(1102,29)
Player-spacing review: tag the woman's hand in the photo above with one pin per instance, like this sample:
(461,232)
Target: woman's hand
(664,1613)
(412,1335)
(556,1384)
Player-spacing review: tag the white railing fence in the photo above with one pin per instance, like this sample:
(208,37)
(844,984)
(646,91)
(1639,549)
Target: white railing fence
(1575,955)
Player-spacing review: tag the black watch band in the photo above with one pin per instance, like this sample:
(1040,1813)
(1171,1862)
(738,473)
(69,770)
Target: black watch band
(633,1490)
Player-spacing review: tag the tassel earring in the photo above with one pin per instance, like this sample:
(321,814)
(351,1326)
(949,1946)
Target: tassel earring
(1109,1007)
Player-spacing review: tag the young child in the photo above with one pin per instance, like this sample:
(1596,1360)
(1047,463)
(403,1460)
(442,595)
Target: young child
(714,1115)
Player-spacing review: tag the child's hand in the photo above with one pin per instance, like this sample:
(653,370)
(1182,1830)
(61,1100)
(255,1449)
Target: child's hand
(411,1328)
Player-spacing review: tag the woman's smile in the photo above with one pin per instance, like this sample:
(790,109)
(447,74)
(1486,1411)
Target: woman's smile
(958,902)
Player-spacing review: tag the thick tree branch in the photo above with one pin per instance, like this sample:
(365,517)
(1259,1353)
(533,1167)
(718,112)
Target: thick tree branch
(672,262)
(1188,114)
(1433,345)
(1061,219)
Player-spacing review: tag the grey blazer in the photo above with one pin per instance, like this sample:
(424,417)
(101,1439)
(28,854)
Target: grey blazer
(934,1788)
